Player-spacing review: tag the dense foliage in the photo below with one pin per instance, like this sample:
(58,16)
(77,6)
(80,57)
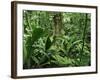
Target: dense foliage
(56,39)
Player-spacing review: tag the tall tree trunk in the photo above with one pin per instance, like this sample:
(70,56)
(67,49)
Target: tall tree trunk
(57,19)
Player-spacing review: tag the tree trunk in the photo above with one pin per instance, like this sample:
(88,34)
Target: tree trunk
(57,19)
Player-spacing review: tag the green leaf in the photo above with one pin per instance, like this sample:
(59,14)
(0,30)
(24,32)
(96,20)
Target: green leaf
(62,60)
(35,60)
(48,43)
(36,34)
(71,45)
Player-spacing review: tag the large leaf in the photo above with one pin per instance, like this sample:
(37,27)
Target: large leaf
(48,43)
(62,61)
(36,34)
(71,45)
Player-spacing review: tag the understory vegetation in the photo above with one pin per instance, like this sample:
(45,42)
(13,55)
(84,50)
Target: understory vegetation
(56,39)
